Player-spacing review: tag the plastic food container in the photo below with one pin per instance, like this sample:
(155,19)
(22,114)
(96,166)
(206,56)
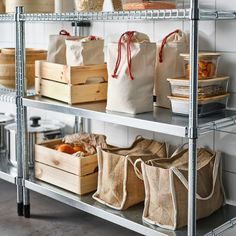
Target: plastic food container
(206,106)
(206,88)
(130,5)
(207,64)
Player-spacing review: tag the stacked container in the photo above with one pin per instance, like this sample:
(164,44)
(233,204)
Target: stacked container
(212,90)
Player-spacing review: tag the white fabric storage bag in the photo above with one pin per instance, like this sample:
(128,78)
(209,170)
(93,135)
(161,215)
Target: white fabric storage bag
(131,72)
(169,64)
(57,48)
(84,51)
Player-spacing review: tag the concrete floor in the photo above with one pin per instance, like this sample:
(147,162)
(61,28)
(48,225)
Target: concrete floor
(50,218)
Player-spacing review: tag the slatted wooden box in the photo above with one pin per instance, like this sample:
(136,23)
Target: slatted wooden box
(75,174)
(71,84)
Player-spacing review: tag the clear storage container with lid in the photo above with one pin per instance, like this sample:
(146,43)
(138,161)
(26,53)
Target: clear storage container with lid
(129,5)
(38,131)
(206,106)
(207,64)
(206,88)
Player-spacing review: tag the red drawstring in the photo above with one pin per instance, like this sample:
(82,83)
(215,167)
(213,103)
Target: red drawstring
(64,32)
(130,35)
(164,42)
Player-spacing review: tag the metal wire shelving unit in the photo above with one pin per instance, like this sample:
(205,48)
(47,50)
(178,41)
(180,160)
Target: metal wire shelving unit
(160,120)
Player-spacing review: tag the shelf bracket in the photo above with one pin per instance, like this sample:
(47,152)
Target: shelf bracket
(194,14)
(193,133)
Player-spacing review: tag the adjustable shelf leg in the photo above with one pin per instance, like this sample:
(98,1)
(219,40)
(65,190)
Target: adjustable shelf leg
(19,200)
(26,195)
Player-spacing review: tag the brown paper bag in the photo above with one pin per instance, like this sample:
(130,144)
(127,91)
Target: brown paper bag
(166,188)
(169,64)
(118,185)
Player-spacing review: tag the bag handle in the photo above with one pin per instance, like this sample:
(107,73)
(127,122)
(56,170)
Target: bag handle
(164,42)
(215,172)
(130,35)
(137,171)
(179,149)
(64,33)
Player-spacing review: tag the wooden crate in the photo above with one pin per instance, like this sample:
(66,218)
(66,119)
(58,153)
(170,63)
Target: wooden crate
(70,84)
(75,174)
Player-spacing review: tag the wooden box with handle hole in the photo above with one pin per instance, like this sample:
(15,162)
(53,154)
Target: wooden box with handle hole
(72,85)
(72,173)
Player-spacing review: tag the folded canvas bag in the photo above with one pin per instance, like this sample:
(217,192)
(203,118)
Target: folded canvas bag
(118,185)
(166,188)
(57,48)
(84,51)
(131,71)
(169,64)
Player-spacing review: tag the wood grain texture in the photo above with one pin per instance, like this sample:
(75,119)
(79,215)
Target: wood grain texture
(69,75)
(72,85)
(81,166)
(38,6)
(65,180)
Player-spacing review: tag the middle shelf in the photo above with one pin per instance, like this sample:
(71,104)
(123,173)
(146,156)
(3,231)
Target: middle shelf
(160,120)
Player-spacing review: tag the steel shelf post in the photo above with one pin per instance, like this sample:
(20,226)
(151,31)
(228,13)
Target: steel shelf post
(193,117)
(19,95)
(22,153)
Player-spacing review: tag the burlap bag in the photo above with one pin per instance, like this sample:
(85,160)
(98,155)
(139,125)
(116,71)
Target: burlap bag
(84,51)
(118,185)
(169,64)
(131,71)
(166,188)
(57,48)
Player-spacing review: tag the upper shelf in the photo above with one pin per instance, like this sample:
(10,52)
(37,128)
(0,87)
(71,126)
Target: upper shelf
(160,120)
(175,14)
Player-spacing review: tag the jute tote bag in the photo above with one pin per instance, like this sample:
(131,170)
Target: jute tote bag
(57,48)
(169,64)
(131,71)
(166,188)
(84,51)
(118,185)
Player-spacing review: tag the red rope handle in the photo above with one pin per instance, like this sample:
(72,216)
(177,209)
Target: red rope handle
(64,32)
(164,42)
(130,35)
(129,56)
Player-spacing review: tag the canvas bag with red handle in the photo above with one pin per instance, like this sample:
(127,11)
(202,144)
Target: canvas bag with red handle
(84,51)
(57,47)
(169,64)
(131,71)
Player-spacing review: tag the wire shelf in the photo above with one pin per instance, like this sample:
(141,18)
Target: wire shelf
(7,17)
(174,14)
(9,95)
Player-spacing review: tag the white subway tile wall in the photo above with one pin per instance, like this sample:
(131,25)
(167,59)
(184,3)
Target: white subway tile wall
(214,36)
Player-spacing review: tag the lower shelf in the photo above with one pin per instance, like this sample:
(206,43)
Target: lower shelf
(131,218)
(7,171)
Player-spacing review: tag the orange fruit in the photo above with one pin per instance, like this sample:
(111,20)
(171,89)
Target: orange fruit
(66,148)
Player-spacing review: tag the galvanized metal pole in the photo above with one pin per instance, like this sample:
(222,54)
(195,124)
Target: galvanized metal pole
(79,124)
(22,134)
(20,92)
(193,117)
